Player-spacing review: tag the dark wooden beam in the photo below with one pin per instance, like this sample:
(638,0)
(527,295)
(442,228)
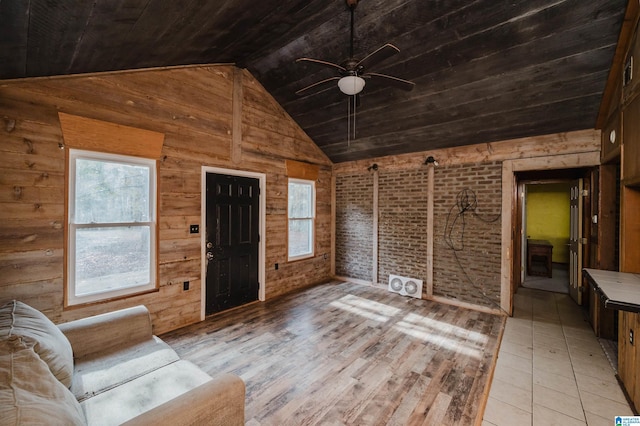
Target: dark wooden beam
(14,27)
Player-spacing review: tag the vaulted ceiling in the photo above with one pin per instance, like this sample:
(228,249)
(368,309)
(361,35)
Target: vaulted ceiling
(485,70)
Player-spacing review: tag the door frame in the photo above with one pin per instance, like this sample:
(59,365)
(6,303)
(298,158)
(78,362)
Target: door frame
(509,208)
(262,180)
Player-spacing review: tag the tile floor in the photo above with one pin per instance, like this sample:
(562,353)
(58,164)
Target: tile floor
(558,283)
(551,369)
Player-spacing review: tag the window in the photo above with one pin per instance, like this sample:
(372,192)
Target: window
(301,213)
(112,226)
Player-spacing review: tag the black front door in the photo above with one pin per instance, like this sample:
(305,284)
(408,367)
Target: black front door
(232,220)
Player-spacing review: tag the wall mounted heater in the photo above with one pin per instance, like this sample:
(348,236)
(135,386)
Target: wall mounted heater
(405,286)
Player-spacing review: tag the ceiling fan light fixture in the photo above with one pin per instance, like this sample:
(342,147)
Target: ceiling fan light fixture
(351,84)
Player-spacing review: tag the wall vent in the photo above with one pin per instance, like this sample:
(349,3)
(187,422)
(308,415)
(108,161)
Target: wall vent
(405,286)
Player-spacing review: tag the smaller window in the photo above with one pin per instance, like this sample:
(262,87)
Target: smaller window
(301,214)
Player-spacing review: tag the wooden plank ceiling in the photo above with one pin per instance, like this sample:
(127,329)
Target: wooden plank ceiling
(485,70)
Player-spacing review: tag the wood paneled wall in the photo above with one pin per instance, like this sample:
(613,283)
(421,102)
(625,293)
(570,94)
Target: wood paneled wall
(198,109)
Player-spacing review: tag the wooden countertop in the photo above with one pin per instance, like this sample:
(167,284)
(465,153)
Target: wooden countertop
(621,290)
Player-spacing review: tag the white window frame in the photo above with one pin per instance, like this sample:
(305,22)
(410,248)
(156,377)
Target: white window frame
(312,218)
(72,298)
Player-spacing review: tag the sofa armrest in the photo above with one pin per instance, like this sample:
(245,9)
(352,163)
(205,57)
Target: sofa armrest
(102,333)
(219,401)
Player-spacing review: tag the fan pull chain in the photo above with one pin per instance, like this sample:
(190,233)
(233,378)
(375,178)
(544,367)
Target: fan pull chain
(351,119)
(355,105)
(348,123)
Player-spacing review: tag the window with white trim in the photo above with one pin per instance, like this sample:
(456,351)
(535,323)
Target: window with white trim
(112,228)
(301,215)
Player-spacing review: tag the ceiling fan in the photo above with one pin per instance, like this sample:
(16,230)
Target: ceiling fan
(352,74)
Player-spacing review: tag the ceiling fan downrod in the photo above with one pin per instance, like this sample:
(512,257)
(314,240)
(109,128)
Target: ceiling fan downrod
(351,115)
(352,6)
(351,73)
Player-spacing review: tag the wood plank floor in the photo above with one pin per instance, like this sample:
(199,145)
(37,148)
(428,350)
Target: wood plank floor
(342,353)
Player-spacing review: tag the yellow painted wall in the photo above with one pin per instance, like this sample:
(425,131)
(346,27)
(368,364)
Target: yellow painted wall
(548,216)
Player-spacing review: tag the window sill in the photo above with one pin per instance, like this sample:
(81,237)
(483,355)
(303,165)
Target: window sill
(298,258)
(68,307)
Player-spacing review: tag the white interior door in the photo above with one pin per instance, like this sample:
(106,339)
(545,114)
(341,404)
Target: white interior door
(523,234)
(575,243)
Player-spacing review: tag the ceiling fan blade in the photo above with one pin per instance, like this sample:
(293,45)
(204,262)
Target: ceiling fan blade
(392,81)
(379,55)
(321,62)
(318,83)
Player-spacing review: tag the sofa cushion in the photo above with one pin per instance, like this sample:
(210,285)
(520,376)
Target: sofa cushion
(109,331)
(29,393)
(130,399)
(100,372)
(36,330)
(217,402)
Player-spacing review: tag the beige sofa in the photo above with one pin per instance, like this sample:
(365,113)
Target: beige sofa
(103,370)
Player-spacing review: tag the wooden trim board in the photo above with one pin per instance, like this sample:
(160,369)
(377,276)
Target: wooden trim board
(102,136)
(300,170)
(236,132)
(376,212)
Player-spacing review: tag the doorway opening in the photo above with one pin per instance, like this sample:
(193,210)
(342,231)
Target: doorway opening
(552,206)
(547,228)
(232,241)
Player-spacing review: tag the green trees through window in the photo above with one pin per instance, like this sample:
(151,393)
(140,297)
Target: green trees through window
(301,214)
(111,226)
(111,192)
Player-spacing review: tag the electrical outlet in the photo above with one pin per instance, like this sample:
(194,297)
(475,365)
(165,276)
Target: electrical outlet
(631,337)
(185,285)
(276,266)
(194,229)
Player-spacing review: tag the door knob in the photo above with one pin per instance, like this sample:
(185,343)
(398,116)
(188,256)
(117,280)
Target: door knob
(209,255)
(209,245)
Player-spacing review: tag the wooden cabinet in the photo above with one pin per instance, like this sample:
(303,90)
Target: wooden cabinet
(631,68)
(620,113)
(602,320)
(612,130)
(605,198)
(630,230)
(631,112)
(611,137)
(629,354)
(631,143)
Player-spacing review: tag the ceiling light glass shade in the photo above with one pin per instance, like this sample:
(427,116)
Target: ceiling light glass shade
(351,84)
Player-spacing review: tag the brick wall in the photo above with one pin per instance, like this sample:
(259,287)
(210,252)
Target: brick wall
(354,226)
(470,274)
(474,276)
(402,224)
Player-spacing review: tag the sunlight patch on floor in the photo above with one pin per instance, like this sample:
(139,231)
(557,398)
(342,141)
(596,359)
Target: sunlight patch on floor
(442,334)
(366,308)
(445,327)
(423,328)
